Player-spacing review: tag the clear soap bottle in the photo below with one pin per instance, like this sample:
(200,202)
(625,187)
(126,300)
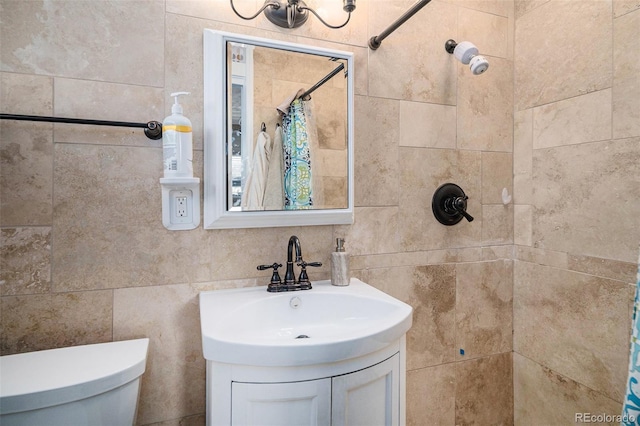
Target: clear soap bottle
(177,142)
(340,265)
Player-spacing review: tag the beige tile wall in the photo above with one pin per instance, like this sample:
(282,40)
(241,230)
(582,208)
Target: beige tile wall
(577,198)
(85,257)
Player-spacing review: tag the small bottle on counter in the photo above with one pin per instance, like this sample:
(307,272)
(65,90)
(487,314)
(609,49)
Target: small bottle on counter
(340,265)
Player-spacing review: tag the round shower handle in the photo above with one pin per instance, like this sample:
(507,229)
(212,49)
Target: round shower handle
(449,204)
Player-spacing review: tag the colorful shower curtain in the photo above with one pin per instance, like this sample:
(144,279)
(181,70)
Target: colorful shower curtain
(298,188)
(631,407)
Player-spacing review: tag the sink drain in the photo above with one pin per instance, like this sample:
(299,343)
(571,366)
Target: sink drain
(302,336)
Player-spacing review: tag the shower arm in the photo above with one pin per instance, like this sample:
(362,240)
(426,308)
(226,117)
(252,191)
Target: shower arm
(376,41)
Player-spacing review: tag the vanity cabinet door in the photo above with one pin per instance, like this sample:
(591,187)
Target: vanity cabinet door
(282,404)
(368,397)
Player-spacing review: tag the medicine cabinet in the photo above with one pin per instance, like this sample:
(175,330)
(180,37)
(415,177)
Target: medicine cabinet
(245,80)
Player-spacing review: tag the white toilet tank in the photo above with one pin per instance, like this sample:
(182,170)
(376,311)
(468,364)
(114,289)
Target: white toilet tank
(89,385)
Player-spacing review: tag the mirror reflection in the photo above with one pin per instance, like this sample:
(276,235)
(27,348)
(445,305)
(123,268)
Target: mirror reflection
(287,130)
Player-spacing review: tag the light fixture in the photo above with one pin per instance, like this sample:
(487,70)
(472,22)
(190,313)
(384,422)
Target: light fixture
(293,13)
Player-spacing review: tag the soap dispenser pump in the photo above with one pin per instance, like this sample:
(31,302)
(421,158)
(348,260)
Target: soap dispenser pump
(340,265)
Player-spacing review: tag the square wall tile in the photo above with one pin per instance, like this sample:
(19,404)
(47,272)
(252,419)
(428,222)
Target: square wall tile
(52,38)
(374,230)
(427,125)
(215,10)
(106,101)
(484,297)
(431,396)
(25,260)
(496,7)
(26,94)
(585,118)
(497,174)
(555,259)
(522,218)
(47,321)
(26,150)
(522,156)
(485,107)
(545,397)
(576,324)
(524,6)
(26,175)
(497,224)
(622,7)
(430,290)
(544,73)
(173,385)
(484,391)
(489,32)
(582,197)
(607,268)
(626,75)
(376,151)
(411,64)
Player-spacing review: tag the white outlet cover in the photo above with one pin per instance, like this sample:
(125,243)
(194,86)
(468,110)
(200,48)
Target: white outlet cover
(175,191)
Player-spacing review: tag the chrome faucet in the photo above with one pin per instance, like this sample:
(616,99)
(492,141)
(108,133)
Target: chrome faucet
(290,283)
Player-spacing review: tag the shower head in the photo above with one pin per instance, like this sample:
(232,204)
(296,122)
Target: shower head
(467,53)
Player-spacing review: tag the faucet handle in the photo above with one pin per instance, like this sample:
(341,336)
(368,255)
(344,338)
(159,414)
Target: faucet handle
(304,264)
(274,266)
(304,278)
(275,278)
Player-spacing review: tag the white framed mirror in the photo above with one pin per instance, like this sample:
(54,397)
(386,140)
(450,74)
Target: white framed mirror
(278,133)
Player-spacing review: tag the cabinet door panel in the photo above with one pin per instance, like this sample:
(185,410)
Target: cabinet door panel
(368,397)
(282,404)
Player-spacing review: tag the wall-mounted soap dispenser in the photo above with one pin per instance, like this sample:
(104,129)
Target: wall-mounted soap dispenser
(180,190)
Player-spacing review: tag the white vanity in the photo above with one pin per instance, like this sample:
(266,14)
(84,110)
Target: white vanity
(325,356)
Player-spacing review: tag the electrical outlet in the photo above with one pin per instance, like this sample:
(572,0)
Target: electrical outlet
(180,203)
(181,206)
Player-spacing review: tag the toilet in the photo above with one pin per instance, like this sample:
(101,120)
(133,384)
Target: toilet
(81,385)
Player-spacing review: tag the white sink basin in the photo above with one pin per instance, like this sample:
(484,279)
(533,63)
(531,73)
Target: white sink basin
(253,327)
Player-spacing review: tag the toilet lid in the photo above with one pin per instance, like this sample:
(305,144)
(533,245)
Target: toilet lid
(41,379)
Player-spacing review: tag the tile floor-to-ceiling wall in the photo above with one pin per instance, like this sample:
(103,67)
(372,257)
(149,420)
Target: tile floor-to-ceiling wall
(577,203)
(85,257)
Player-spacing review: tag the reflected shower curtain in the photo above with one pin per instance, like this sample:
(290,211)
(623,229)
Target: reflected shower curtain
(298,187)
(631,407)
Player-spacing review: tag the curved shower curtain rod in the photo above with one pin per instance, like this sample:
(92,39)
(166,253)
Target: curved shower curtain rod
(376,41)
